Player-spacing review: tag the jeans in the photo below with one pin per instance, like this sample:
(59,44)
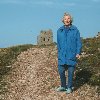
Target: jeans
(62,69)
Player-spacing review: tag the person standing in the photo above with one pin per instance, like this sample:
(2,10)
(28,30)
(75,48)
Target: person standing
(69,48)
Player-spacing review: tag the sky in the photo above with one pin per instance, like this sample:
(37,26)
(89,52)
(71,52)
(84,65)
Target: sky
(22,20)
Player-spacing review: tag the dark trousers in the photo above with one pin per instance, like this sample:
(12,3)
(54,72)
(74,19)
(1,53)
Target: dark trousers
(62,69)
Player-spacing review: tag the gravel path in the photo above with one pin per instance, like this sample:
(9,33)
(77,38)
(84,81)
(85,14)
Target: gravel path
(35,77)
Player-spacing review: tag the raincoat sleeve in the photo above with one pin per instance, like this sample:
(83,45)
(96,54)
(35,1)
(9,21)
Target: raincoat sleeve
(79,43)
(58,44)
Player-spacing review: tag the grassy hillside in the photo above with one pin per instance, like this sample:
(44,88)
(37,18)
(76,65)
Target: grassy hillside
(7,57)
(87,70)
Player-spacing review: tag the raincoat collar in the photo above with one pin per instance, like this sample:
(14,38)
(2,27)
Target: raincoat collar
(72,27)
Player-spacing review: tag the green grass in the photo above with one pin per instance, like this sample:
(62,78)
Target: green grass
(90,66)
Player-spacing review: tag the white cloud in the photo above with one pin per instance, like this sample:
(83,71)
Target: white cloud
(8,1)
(43,2)
(47,3)
(53,3)
(96,0)
(12,2)
(69,4)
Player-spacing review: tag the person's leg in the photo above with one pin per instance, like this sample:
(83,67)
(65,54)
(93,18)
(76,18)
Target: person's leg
(61,69)
(70,76)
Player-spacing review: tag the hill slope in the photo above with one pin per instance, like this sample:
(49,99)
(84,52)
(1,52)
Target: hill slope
(34,76)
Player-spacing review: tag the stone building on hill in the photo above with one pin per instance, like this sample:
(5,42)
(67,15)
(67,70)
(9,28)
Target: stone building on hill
(45,37)
(98,34)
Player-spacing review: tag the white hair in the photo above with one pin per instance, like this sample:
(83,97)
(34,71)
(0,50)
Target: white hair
(67,14)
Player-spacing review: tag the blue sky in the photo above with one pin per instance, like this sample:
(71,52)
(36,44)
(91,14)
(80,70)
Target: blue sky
(22,20)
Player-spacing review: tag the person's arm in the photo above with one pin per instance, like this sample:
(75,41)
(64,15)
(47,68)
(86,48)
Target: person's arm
(79,45)
(58,44)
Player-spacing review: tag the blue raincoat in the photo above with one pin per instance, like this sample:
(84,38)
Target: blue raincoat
(68,44)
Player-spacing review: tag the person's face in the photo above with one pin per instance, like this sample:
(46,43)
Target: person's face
(67,20)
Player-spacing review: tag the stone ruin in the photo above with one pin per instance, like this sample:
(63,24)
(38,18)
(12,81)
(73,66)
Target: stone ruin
(98,35)
(45,37)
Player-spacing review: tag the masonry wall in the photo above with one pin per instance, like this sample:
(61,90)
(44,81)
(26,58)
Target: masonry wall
(45,37)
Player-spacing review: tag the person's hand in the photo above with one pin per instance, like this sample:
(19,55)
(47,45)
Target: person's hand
(78,56)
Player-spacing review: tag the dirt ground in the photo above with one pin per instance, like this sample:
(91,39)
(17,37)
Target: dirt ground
(35,77)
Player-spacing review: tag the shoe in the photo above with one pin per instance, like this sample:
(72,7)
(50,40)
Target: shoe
(69,90)
(59,89)
(72,88)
